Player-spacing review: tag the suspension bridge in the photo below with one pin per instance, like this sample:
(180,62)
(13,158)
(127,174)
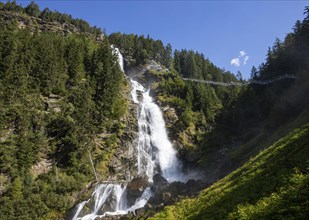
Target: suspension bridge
(259,82)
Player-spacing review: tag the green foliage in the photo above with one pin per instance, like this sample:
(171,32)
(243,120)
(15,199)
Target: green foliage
(16,189)
(11,6)
(33,9)
(187,117)
(190,64)
(142,48)
(274,184)
(56,94)
(195,103)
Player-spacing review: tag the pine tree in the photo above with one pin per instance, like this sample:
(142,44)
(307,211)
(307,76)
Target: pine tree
(33,9)
(177,61)
(254,73)
(239,76)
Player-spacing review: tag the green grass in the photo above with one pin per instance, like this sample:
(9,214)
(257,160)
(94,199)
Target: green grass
(272,185)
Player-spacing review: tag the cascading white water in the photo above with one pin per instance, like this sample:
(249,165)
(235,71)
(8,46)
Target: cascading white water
(79,208)
(155,155)
(107,201)
(155,151)
(119,57)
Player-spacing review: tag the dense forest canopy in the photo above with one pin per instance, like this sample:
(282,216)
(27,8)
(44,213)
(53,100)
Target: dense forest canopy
(142,49)
(56,93)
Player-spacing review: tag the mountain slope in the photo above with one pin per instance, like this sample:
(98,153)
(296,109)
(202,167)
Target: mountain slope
(274,184)
(64,112)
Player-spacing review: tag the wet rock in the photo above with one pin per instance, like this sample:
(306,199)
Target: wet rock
(159,180)
(172,192)
(109,205)
(194,185)
(109,217)
(166,194)
(137,185)
(176,188)
(136,188)
(140,211)
(148,206)
(88,207)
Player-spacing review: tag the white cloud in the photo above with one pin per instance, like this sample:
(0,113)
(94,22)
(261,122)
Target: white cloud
(246,60)
(242,53)
(235,62)
(243,59)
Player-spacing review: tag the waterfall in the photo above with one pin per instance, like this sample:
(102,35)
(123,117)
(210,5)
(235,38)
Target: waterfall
(79,208)
(155,151)
(155,154)
(119,57)
(105,200)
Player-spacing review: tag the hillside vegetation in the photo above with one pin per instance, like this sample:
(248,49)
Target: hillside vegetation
(57,94)
(262,113)
(272,185)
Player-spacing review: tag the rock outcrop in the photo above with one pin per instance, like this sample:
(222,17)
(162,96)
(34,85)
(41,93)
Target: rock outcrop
(136,188)
(159,180)
(144,74)
(166,194)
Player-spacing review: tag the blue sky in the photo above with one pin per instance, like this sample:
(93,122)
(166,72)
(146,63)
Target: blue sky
(222,30)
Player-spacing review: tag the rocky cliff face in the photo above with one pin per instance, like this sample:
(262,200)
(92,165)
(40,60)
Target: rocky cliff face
(144,74)
(122,165)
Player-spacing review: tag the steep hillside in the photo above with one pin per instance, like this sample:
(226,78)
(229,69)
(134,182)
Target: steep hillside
(262,113)
(272,185)
(65,113)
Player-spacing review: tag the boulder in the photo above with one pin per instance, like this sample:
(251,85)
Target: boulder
(176,188)
(194,186)
(136,188)
(159,180)
(140,211)
(172,192)
(109,205)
